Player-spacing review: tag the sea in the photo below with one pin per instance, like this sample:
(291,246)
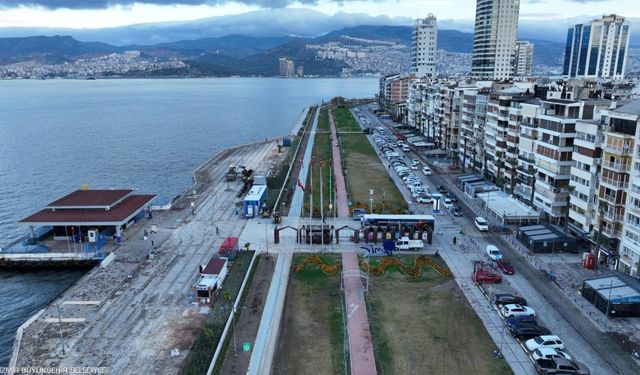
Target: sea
(147,134)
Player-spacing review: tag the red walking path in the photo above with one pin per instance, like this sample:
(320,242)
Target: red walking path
(360,346)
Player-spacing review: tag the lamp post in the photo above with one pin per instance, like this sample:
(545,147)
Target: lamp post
(60,327)
(606,316)
(371,200)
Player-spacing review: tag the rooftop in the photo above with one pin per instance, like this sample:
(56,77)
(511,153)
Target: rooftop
(632,108)
(214,266)
(112,208)
(91,199)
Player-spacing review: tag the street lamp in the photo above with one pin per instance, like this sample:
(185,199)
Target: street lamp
(371,200)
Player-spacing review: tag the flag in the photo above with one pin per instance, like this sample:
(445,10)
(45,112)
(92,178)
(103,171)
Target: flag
(320,163)
(300,185)
(331,163)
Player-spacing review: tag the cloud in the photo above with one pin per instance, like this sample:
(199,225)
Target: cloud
(102,4)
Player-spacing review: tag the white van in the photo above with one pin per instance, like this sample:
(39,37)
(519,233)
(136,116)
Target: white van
(404,243)
(405,148)
(481,224)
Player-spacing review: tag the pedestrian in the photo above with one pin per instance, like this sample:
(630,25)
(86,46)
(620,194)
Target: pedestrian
(455,239)
(217,231)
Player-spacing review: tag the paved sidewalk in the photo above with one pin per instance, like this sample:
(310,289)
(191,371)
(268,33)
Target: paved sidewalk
(360,345)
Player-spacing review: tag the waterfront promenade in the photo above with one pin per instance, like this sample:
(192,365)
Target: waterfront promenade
(131,314)
(361,356)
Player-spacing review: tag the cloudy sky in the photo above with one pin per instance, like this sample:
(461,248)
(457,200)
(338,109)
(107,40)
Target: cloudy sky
(110,13)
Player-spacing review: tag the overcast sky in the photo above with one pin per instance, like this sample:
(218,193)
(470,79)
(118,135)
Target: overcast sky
(108,13)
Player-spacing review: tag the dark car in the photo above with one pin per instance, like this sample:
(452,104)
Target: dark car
(442,189)
(456,211)
(508,299)
(515,320)
(505,266)
(452,197)
(526,331)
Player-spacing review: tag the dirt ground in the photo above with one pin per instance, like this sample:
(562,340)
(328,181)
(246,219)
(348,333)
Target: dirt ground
(249,320)
(428,328)
(312,331)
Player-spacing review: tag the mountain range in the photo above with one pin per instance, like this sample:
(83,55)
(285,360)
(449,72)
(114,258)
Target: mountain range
(246,55)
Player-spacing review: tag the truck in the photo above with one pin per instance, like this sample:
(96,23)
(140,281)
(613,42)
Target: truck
(231,174)
(404,243)
(560,366)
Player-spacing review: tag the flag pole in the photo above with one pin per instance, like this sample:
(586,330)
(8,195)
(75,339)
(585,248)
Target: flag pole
(311,191)
(330,187)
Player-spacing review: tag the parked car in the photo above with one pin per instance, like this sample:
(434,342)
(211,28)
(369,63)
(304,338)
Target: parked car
(515,309)
(447,203)
(486,276)
(547,341)
(526,331)
(456,211)
(493,252)
(452,197)
(507,299)
(505,266)
(519,319)
(560,366)
(481,224)
(427,171)
(442,189)
(424,199)
(549,353)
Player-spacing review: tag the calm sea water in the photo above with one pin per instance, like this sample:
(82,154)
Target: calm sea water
(57,135)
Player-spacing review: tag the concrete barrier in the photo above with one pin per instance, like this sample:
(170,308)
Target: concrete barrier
(18,340)
(227,326)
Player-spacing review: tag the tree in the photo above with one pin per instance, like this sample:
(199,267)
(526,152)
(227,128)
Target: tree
(533,172)
(570,190)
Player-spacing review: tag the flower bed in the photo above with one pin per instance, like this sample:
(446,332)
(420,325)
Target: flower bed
(413,271)
(326,268)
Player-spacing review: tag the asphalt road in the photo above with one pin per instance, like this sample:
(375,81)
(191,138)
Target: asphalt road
(606,356)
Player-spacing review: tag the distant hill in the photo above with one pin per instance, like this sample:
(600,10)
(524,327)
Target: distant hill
(246,55)
(51,48)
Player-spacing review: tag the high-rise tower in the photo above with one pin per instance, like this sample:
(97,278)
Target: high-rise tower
(425,43)
(597,49)
(494,40)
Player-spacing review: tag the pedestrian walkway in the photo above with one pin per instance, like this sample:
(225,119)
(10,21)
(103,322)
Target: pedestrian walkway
(266,340)
(362,360)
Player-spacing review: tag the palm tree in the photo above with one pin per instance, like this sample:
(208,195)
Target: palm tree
(533,172)
(570,190)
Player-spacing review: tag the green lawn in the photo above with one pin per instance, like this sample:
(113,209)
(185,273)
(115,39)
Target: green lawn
(321,152)
(364,170)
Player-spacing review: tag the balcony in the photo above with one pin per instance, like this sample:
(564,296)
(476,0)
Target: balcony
(616,184)
(612,216)
(618,149)
(617,166)
(611,232)
(609,198)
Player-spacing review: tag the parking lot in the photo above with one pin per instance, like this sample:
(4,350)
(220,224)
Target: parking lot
(553,309)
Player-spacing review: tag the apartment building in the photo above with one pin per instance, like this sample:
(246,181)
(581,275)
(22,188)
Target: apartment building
(494,38)
(424,46)
(472,119)
(501,141)
(523,58)
(393,94)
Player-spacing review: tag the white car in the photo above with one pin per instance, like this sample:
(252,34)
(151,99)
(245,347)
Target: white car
(549,353)
(426,198)
(414,167)
(493,253)
(548,341)
(426,171)
(481,224)
(447,203)
(516,310)
(415,161)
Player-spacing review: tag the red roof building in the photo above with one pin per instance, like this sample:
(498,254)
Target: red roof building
(80,210)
